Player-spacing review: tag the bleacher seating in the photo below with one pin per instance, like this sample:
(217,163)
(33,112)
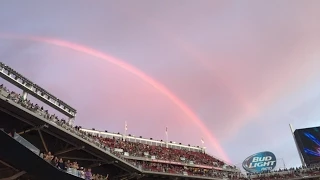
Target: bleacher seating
(137,149)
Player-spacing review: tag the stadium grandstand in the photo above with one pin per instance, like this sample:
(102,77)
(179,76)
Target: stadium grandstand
(40,145)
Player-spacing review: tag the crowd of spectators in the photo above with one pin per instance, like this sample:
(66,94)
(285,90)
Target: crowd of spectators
(138,149)
(291,173)
(133,148)
(184,170)
(67,166)
(162,153)
(72,167)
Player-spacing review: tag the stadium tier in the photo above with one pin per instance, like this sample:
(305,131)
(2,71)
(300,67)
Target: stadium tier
(146,159)
(55,149)
(149,159)
(139,148)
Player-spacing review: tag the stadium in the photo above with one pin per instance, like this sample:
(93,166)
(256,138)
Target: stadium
(32,137)
(159,90)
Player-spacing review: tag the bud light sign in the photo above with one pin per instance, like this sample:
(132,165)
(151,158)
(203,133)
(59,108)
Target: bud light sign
(263,161)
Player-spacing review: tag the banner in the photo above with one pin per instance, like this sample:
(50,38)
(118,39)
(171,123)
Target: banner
(259,162)
(118,150)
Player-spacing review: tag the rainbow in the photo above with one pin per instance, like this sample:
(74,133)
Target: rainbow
(134,71)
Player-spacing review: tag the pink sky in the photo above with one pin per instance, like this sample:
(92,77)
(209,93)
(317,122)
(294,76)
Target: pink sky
(233,73)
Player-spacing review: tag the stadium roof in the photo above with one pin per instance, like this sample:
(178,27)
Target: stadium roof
(35,90)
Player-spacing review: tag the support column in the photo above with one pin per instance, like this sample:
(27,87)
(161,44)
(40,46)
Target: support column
(28,130)
(24,95)
(4,163)
(16,176)
(83,159)
(43,142)
(68,150)
(71,121)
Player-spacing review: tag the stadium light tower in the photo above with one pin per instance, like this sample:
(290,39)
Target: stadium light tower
(36,91)
(295,141)
(125,130)
(167,138)
(202,141)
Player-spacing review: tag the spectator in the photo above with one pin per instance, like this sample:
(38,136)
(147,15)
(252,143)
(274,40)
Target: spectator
(74,168)
(55,161)
(81,173)
(88,174)
(61,164)
(48,157)
(67,164)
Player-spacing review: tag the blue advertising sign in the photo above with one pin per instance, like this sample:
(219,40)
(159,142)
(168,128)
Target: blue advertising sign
(262,161)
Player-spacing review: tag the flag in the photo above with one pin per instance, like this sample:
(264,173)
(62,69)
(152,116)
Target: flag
(202,140)
(166,130)
(126,126)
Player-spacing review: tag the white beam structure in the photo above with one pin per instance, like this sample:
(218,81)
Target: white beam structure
(36,91)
